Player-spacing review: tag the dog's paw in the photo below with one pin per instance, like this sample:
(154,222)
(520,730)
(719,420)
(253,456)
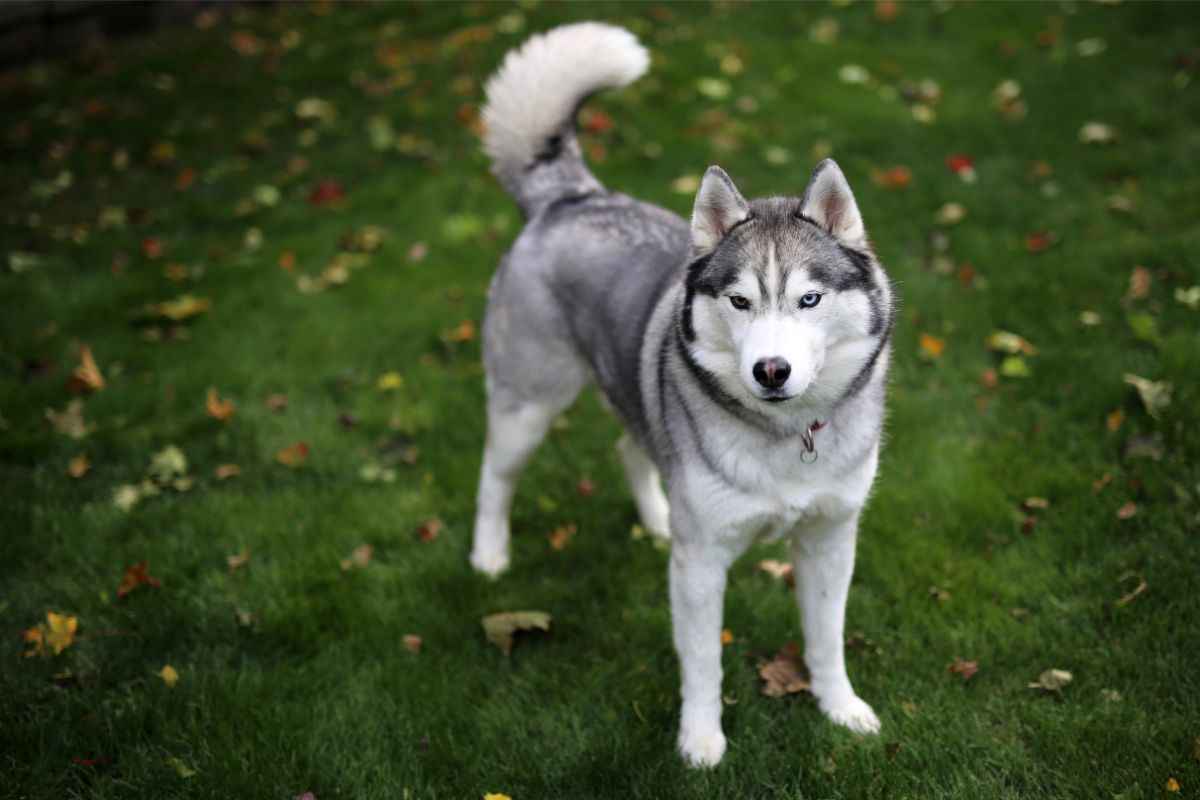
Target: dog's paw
(702,749)
(491,564)
(852,713)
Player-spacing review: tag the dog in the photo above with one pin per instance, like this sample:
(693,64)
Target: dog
(745,352)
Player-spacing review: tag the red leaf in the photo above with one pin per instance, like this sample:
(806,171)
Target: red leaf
(136,576)
(326,192)
(959,163)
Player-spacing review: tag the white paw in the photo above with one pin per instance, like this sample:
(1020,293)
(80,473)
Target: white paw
(656,518)
(490,563)
(852,713)
(702,749)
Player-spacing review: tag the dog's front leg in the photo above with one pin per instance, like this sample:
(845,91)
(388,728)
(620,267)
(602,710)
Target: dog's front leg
(823,560)
(697,605)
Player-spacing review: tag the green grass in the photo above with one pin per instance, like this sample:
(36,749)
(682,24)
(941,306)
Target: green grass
(318,693)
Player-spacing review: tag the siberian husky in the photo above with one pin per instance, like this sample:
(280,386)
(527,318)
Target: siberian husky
(746,354)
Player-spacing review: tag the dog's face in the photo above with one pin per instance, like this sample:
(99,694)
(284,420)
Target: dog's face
(785,302)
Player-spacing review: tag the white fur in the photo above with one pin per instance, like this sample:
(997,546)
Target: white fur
(540,84)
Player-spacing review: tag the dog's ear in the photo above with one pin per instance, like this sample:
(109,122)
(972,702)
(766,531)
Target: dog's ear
(829,202)
(719,206)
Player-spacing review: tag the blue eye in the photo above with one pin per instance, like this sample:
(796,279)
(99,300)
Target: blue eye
(809,300)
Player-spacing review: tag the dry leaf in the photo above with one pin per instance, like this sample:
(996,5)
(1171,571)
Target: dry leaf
(136,576)
(238,560)
(169,676)
(784,674)
(1052,680)
(87,376)
(225,471)
(779,570)
(1172,786)
(898,177)
(726,637)
(1139,284)
(496,796)
(1156,395)
(219,409)
(560,537)
(359,558)
(462,332)
(69,421)
(293,455)
(931,346)
(79,466)
(412,642)
(1040,241)
(1011,343)
(1097,133)
(1128,510)
(276,402)
(964,668)
(1114,419)
(950,214)
(1129,597)
(585,487)
(501,628)
(429,529)
(1036,503)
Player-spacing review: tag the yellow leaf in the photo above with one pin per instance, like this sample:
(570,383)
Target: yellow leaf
(931,346)
(1173,785)
(60,632)
(389,382)
(496,796)
(169,676)
(219,409)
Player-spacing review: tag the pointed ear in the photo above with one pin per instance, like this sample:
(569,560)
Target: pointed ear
(719,206)
(829,202)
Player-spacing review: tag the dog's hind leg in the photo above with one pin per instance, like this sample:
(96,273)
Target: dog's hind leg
(515,429)
(646,486)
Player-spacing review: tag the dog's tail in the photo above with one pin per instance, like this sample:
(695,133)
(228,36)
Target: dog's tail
(532,100)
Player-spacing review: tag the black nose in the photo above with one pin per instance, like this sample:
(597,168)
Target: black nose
(772,372)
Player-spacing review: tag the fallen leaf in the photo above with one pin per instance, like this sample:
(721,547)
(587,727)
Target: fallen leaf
(585,487)
(182,307)
(417,252)
(1101,482)
(181,769)
(1040,241)
(326,192)
(1139,284)
(69,421)
(713,88)
(931,346)
(1011,343)
(389,382)
(898,177)
(1127,511)
(136,576)
(219,409)
(429,529)
(238,560)
(1155,395)
(496,796)
(1052,680)
(1036,503)
(293,455)
(989,379)
(963,166)
(561,536)
(462,332)
(79,466)
(886,10)
(824,30)
(359,558)
(1114,419)
(1014,367)
(950,214)
(1189,297)
(167,466)
(169,676)
(501,628)
(854,74)
(1173,785)
(686,184)
(276,402)
(785,673)
(779,570)
(152,247)
(726,637)
(1090,318)
(412,643)
(1097,133)
(54,635)
(87,376)
(964,668)
(1129,597)
(226,471)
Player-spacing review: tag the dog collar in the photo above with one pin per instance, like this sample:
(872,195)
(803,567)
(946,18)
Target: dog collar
(810,445)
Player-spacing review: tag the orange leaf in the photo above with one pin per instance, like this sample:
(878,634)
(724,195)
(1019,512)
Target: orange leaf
(136,576)
(79,466)
(412,643)
(898,177)
(726,636)
(560,537)
(87,376)
(1114,419)
(293,455)
(218,409)
(931,346)
(429,529)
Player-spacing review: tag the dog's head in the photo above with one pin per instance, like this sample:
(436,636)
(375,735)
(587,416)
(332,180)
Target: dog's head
(786,303)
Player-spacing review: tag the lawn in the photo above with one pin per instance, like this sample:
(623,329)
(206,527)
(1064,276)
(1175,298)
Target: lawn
(289,205)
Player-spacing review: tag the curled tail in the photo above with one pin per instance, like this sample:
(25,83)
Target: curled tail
(532,100)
